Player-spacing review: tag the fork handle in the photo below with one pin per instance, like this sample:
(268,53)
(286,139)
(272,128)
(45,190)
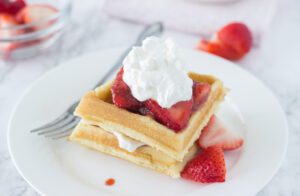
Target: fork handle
(149,30)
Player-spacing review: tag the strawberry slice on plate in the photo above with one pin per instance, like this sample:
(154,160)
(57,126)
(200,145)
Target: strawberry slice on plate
(200,94)
(216,134)
(176,117)
(121,94)
(35,12)
(207,167)
(232,42)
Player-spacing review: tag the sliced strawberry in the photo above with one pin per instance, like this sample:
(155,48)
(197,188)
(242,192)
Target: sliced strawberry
(200,93)
(11,6)
(35,12)
(122,96)
(232,42)
(207,167)
(236,36)
(175,117)
(215,134)
(219,50)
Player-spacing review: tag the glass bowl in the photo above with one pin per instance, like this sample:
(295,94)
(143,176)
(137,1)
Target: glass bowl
(26,40)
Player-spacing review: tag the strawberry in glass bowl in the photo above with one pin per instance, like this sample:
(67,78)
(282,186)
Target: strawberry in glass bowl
(27,28)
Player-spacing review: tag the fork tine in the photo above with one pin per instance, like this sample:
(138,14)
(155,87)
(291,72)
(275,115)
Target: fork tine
(62,136)
(64,129)
(58,126)
(57,120)
(65,134)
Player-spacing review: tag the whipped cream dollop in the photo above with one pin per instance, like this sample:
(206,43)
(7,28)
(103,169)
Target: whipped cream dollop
(127,143)
(154,71)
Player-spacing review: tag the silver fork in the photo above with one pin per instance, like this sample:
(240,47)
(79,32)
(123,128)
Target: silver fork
(63,125)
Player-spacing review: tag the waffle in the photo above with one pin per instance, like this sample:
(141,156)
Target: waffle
(97,108)
(96,138)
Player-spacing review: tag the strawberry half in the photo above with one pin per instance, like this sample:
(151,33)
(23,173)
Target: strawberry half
(215,134)
(219,49)
(200,94)
(232,42)
(207,167)
(175,117)
(121,94)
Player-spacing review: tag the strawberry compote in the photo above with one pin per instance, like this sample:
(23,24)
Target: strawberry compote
(176,117)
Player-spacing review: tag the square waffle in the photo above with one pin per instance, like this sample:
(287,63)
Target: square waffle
(97,109)
(96,138)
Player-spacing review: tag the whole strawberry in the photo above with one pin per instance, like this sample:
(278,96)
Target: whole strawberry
(207,167)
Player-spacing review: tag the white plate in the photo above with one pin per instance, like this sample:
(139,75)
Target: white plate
(65,168)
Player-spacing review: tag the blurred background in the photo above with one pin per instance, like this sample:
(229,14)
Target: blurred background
(73,28)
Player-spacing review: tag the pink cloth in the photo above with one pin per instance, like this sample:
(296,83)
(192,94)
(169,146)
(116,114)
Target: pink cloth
(192,16)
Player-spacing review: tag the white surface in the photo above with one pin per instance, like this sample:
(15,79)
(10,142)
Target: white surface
(156,71)
(276,63)
(69,169)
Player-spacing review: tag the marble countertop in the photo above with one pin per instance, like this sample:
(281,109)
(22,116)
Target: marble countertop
(276,62)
